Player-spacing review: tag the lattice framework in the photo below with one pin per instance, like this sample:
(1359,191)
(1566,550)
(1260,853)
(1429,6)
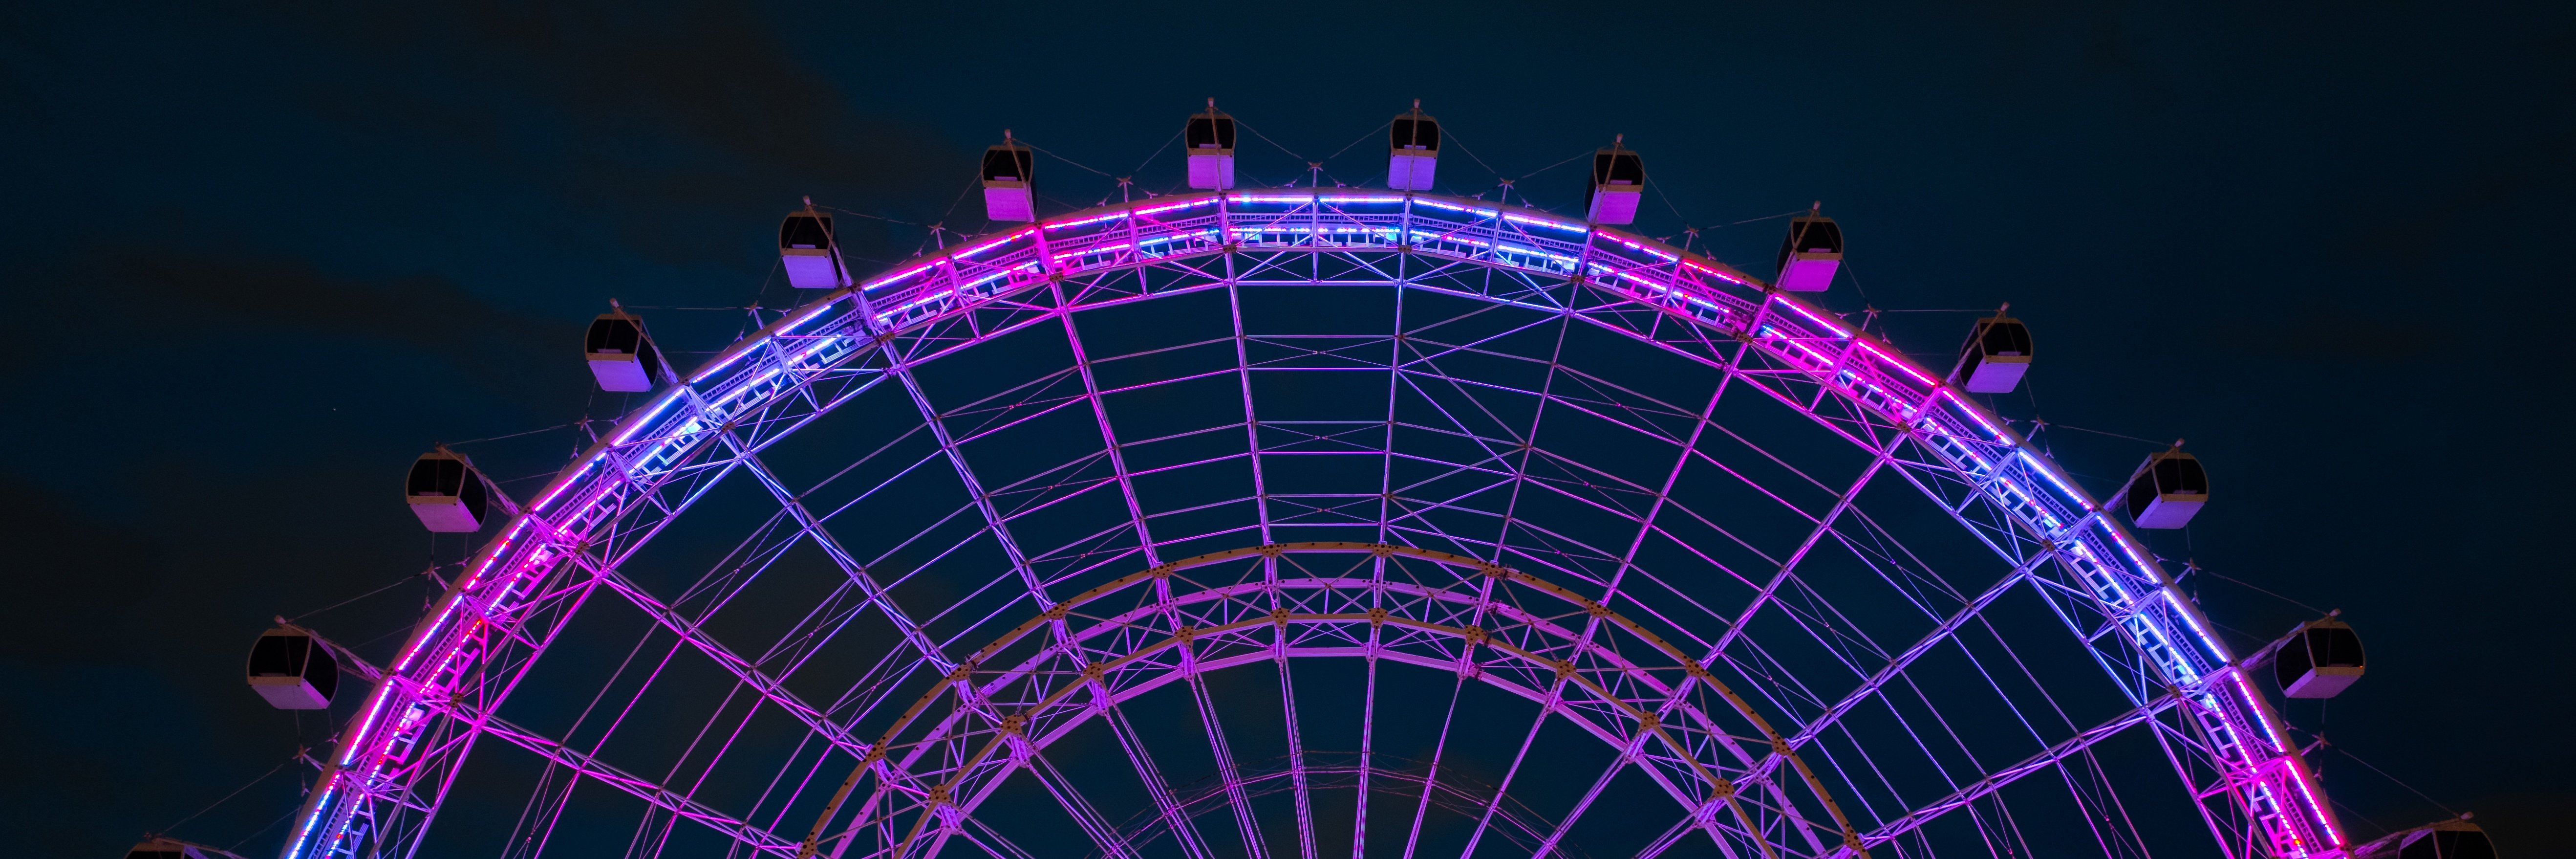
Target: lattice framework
(1459,480)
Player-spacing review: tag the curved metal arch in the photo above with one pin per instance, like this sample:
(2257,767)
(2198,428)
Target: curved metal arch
(973,696)
(1451,793)
(659,459)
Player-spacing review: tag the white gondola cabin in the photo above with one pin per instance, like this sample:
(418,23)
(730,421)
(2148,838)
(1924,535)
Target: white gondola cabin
(172,848)
(1810,253)
(1007,170)
(807,250)
(1210,138)
(1414,151)
(622,355)
(2318,660)
(446,492)
(292,670)
(1996,356)
(2445,839)
(2168,490)
(1618,182)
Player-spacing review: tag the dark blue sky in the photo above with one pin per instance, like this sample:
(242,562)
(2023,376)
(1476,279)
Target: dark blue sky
(258,257)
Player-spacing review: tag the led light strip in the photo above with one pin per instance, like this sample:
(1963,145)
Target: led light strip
(661,438)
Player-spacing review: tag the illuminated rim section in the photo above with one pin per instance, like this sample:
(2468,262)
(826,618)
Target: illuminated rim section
(2281,806)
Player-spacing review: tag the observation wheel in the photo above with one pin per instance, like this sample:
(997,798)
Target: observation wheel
(1313,522)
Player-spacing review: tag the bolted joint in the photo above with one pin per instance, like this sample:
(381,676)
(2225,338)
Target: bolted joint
(1012,723)
(1648,722)
(1596,609)
(1780,746)
(1377,616)
(964,670)
(1382,549)
(1185,633)
(1094,671)
(1497,570)
(938,796)
(1059,611)
(1279,615)
(1475,635)
(1724,788)
(1564,668)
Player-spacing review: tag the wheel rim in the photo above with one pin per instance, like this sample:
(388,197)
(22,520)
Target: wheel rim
(456,677)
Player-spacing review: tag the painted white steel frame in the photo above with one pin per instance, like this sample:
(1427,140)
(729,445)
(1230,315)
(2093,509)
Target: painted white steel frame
(381,787)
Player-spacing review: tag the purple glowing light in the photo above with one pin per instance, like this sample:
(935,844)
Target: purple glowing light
(2023,497)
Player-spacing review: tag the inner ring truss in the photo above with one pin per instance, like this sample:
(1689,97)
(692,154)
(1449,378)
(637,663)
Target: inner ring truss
(396,759)
(1172,635)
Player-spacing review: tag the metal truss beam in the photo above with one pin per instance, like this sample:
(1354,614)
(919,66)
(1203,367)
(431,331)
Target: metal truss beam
(655,464)
(582,763)
(2004,776)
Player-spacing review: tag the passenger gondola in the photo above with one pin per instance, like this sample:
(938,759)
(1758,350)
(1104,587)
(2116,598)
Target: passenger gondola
(1811,252)
(2318,660)
(1414,150)
(806,248)
(446,492)
(1008,195)
(293,670)
(2443,839)
(621,355)
(1996,355)
(1210,138)
(1618,182)
(2168,490)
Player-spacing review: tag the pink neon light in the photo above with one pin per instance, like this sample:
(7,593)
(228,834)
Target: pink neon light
(1645,250)
(660,403)
(993,244)
(1972,411)
(368,724)
(1885,360)
(917,303)
(2193,624)
(2317,809)
(2044,471)
(307,831)
(1200,202)
(891,278)
(2277,746)
(1802,311)
(1573,228)
(1247,198)
(1108,217)
(1090,251)
(1481,213)
(564,482)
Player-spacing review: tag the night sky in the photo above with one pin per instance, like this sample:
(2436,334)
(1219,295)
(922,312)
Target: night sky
(257,258)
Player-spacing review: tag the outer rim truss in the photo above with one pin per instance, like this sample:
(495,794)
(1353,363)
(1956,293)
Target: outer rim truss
(656,463)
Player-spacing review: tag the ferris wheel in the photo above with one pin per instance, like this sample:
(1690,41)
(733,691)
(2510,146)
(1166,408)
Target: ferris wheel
(1316,521)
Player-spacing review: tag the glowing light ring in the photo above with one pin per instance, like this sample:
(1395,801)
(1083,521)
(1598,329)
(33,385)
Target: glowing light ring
(653,445)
